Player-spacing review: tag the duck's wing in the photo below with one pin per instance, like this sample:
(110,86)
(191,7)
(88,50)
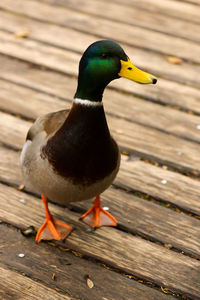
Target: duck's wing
(48,123)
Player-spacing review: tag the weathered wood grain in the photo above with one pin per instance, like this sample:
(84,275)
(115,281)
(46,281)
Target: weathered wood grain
(10,167)
(31,104)
(152,221)
(135,138)
(126,252)
(131,15)
(56,84)
(42,261)
(27,102)
(155,145)
(135,175)
(61,37)
(132,137)
(166,92)
(139,215)
(129,253)
(104,28)
(16,286)
(177,9)
(177,189)
(48,56)
(13,130)
(196,2)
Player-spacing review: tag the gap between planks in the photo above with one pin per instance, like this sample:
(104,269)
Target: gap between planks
(53,35)
(176,272)
(134,138)
(175,9)
(134,110)
(145,214)
(33,76)
(134,16)
(14,285)
(17,120)
(42,261)
(94,25)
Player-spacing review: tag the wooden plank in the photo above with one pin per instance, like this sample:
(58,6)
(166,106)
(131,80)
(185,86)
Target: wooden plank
(166,92)
(143,218)
(177,9)
(135,175)
(134,35)
(173,228)
(48,56)
(13,131)
(42,261)
(131,15)
(177,189)
(59,85)
(128,253)
(153,144)
(44,32)
(9,167)
(196,2)
(31,104)
(28,102)
(16,286)
(134,138)
(61,37)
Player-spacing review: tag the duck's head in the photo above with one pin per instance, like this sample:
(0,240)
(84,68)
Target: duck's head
(102,62)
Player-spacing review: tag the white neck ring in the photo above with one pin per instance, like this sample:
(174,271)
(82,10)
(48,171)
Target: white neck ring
(87,102)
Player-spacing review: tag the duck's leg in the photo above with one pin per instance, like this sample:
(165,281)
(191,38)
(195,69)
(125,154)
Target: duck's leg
(52,228)
(96,216)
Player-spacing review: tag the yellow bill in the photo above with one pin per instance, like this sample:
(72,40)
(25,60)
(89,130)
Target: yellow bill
(129,71)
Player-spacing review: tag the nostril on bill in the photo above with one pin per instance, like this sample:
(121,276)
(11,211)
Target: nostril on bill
(154,80)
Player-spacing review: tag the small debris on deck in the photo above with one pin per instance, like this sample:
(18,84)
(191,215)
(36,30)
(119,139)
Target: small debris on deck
(22,201)
(21,255)
(89,282)
(164,181)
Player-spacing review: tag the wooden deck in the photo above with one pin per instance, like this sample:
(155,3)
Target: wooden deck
(154,253)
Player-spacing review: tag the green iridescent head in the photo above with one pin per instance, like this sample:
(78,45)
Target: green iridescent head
(102,62)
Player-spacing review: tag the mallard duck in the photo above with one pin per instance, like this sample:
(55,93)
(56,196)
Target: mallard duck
(70,155)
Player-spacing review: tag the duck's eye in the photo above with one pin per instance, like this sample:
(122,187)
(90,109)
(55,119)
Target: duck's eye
(104,56)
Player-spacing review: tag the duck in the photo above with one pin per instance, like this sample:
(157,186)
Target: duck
(70,155)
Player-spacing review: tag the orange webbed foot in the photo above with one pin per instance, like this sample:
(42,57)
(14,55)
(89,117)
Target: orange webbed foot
(96,216)
(52,228)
